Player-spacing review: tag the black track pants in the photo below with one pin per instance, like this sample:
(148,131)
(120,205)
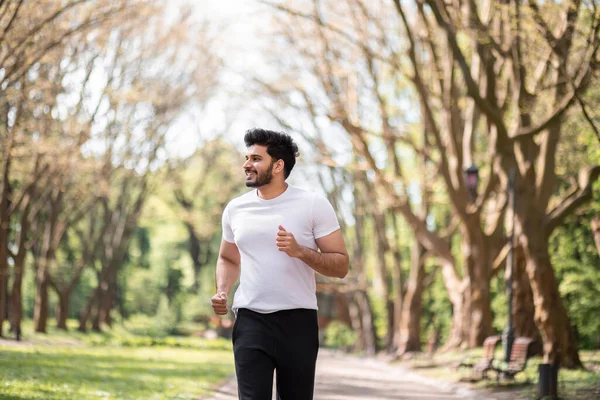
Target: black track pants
(286,341)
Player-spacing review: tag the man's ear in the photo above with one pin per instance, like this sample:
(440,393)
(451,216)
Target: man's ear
(280,164)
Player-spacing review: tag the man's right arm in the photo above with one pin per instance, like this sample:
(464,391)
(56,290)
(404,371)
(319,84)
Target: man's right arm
(227,274)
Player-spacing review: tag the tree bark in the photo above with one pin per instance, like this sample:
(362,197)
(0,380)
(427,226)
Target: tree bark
(551,317)
(104,308)
(195,253)
(4,228)
(46,257)
(16,298)
(398,289)
(410,325)
(87,311)
(459,328)
(475,252)
(367,322)
(523,307)
(62,309)
(40,312)
(596,231)
(383,277)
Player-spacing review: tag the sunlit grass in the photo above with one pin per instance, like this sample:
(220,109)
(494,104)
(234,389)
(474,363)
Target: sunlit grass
(65,366)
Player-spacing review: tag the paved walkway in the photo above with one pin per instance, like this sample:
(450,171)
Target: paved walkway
(343,377)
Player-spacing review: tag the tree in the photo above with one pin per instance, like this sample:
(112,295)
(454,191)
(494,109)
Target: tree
(349,97)
(86,105)
(483,91)
(201,188)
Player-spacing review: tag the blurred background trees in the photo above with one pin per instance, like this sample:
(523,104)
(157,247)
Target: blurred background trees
(393,104)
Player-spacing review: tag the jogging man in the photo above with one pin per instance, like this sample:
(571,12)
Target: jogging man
(274,238)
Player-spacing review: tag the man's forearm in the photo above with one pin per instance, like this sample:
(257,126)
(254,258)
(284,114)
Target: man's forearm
(328,264)
(227,274)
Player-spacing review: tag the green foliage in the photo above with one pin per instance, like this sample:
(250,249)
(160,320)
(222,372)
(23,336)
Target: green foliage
(158,260)
(196,309)
(143,292)
(167,341)
(576,261)
(499,303)
(437,309)
(166,317)
(380,317)
(339,336)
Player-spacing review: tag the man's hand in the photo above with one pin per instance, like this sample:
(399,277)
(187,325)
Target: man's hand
(286,242)
(219,303)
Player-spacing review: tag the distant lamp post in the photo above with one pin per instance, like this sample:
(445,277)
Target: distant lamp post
(472,180)
(508,335)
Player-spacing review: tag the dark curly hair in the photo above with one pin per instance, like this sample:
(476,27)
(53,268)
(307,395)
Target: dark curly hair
(280,146)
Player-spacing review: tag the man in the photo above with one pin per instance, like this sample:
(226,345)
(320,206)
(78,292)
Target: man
(277,236)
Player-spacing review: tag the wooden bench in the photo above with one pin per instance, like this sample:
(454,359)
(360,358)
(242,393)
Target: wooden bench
(519,355)
(480,368)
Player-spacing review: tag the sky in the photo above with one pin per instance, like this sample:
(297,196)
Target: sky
(243,40)
(238,28)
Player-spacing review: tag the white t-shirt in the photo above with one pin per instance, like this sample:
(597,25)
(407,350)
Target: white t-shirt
(271,280)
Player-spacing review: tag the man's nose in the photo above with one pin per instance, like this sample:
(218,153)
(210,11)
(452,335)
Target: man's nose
(246,164)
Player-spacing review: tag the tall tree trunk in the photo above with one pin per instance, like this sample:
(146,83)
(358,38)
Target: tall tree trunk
(523,307)
(478,263)
(96,326)
(40,311)
(5,311)
(109,286)
(62,309)
(384,284)
(410,325)
(361,314)
(16,298)
(102,308)
(4,227)
(398,289)
(16,303)
(86,313)
(398,299)
(195,253)
(560,345)
(459,328)
(356,321)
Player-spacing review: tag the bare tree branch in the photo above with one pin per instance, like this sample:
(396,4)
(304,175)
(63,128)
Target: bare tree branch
(472,88)
(588,117)
(587,177)
(555,115)
(12,19)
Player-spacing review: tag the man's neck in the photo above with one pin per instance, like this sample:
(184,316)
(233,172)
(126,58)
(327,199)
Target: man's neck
(272,190)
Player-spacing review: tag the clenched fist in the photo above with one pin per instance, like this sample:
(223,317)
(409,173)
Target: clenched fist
(219,303)
(286,242)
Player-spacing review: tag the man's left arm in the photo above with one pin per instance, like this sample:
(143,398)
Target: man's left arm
(332,260)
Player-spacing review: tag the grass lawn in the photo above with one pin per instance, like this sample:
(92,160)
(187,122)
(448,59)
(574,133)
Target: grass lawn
(111,366)
(572,385)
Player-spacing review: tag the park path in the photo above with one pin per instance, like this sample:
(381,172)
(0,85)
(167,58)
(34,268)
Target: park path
(345,377)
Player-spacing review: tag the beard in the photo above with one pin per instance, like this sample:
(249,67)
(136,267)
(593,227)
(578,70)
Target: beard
(261,179)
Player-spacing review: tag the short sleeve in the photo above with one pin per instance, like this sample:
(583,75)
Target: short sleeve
(324,219)
(226,225)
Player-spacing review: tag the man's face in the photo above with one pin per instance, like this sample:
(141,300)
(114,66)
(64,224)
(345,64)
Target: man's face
(258,166)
